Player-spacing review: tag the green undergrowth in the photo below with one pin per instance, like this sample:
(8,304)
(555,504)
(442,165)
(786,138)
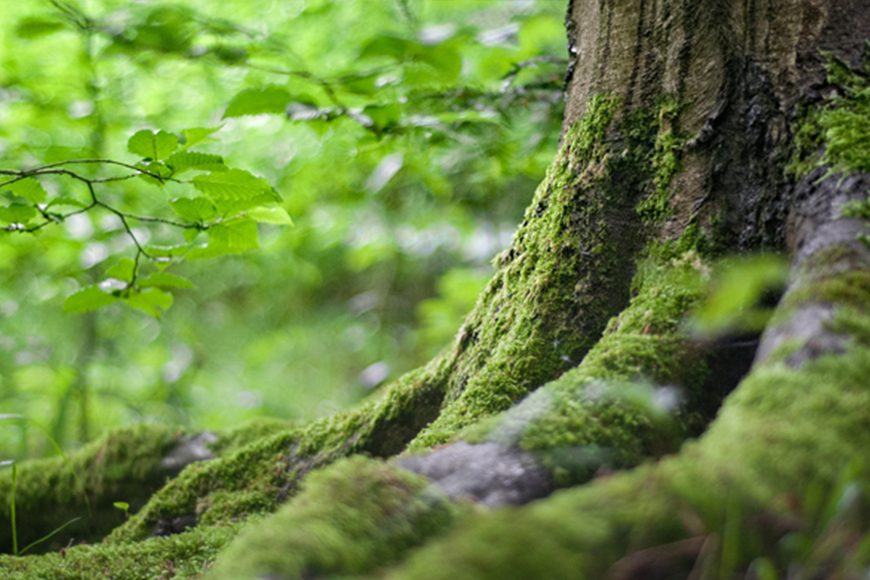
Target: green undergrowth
(122,466)
(569,268)
(185,555)
(738,499)
(352,517)
(605,412)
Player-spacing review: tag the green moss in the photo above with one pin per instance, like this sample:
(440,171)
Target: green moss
(185,555)
(258,429)
(122,466)
(257,477)
(723,503)
(604,413)
(666,160)
(839,128)
(569,268)
(357,515)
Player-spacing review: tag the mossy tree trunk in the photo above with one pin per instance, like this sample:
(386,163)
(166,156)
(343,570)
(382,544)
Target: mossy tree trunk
(693,129)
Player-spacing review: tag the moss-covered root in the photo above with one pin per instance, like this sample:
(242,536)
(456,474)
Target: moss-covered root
(722,505)
(604,413)
(124,466)
(354,516)
(252,478)
(568,270)
(180,556)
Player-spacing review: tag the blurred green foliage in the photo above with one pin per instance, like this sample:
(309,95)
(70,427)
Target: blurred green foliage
(404,138)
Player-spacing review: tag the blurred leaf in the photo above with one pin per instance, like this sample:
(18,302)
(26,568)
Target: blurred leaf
(271,215)
(270,99)
(123,270)
(196,135)
(383,116)
(87,299)
(17,213)
(66,201)
(35,27)
(194,209)
(231,238)
(737,293)
(29,189)
(152,145)
(151,301)
(165,280)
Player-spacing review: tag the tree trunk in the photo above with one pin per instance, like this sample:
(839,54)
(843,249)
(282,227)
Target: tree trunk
(693,129)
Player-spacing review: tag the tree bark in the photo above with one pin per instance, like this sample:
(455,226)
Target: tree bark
(684,140)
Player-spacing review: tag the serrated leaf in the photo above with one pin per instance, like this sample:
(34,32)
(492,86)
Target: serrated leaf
(87,299)
(17,213)
(271,215)
(229,238)
(151,301)
(29,189)
(181,161)
(152,145)
(233,185)
(269,99)
(196,135)
(123,269)
(165,280)
(194,209)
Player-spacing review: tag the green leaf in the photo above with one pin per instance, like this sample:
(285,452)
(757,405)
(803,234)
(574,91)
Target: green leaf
(123,270)
(122,505)
(152,145)
(151,301)
(181,161)
(270,99)
(196,135)
(87,299)
(165,280)
(66,201)
(230,238)
(34,27)
(194,209)
(384,116)
(17,213)
(233,185)
(29,189)
(271,215)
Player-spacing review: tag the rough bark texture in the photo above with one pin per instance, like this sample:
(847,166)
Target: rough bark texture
(693,129)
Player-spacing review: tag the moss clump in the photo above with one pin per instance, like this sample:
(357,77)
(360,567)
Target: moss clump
(666,161)
(258,429)
(185,555)
(257,477)
(837,133)
(124,465)
(357,515)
